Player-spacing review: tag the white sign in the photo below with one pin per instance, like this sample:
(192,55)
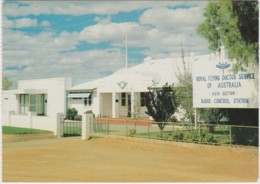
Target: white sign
(215,85)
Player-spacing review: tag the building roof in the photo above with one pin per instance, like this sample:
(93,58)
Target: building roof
(152,72)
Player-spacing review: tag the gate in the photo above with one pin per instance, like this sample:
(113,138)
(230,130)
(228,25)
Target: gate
(70,127)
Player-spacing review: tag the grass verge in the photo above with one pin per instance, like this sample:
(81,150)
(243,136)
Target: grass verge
(18,130)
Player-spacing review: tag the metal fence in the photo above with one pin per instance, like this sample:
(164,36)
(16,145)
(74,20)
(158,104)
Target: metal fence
(70,127)
(182,132)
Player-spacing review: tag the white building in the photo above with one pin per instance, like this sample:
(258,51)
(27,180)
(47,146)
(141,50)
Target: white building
(122,93)
(35,103)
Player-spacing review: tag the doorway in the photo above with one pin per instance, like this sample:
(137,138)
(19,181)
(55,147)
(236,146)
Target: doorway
(129,105)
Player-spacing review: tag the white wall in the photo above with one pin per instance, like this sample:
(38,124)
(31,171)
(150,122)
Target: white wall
(44,123)
(18,120)
(55,94)
(10,103)
(33,121)
(81,108)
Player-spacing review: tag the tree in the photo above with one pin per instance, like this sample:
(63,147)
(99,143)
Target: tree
(247,117)
(212,116)
(161,104)
(184,91)
(7,84)
(233,24)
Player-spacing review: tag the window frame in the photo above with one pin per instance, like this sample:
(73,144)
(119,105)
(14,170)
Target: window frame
(37,106)
(87,101)
(123,99)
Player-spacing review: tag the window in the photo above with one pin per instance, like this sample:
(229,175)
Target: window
(76,98)
(32,103)
(24,104)
(142,99)
(123,99)
(88,101)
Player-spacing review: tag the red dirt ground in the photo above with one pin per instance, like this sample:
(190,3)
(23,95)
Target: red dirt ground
(121,159)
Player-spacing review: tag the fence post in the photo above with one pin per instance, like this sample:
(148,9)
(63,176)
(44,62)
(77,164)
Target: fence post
(172,129)
(126,127)
(59,131)
(86,121)
(148,124)
(199,134)
(230,135)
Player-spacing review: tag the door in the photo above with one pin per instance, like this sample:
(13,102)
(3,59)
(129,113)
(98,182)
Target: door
(129,105)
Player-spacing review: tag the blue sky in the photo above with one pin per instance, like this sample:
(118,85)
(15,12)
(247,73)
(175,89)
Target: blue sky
(86,40)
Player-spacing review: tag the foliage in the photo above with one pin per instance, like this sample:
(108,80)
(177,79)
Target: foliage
(17,130)
(71,113)
(161,104)
(248,117)
(184,91)
(233,24)
(211,116)
(131,132)
(191,136)
(78,117)
(245,136)
(173,119)
(244,117)
(178,135)
(7,84)
(137,108)
(89,112)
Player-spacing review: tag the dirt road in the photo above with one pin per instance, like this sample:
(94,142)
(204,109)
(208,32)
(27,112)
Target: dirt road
(113,159)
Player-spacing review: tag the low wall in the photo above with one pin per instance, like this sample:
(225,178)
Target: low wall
(33,121)
(17,120)
(44,123)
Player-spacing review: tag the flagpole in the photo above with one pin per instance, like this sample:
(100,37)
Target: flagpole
(126,55)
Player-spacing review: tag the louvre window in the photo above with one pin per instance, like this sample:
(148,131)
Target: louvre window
(32,103)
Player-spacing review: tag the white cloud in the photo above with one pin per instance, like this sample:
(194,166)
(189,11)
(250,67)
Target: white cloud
(88,7)
(45,24)
(49,54)
(25,22)
(103,21)
(109,32)
(165,18)
(8,23)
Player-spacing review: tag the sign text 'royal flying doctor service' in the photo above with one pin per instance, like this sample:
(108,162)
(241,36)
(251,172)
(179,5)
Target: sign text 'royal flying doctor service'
(215,85)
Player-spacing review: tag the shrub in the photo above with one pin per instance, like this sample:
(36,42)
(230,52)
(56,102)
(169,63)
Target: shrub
(131,132)
(191,136)
(78,117)
(89,112)
(71,113)
(179,135)
(164,135)
(245,136)
(173,119)
(210,138)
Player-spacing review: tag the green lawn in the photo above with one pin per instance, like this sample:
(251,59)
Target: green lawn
(17,130)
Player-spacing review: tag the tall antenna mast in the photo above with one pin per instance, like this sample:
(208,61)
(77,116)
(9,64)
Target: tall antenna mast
(126,56)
